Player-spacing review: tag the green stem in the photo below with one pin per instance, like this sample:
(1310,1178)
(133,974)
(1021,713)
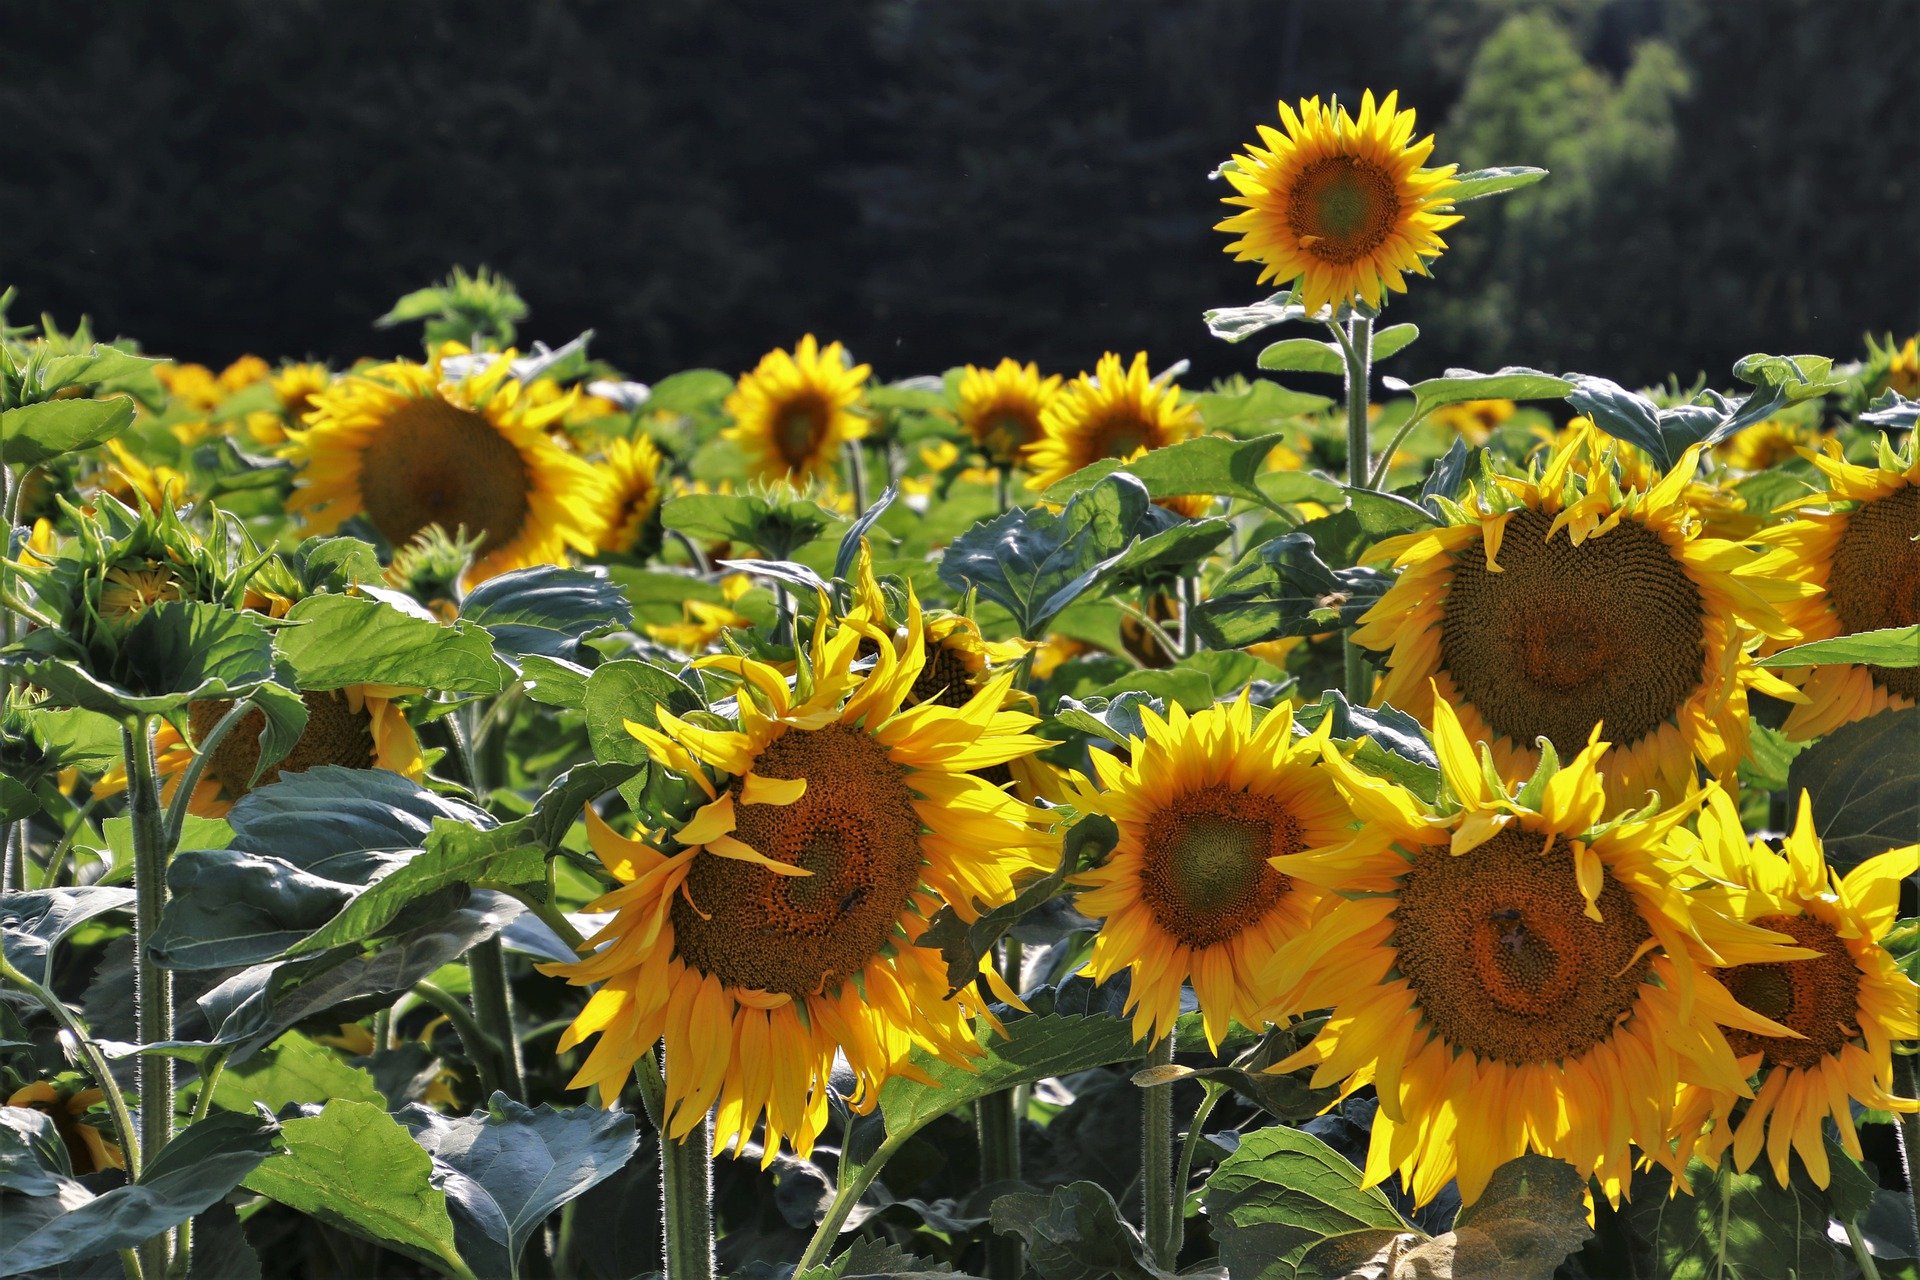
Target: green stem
(486,1056)
(1356,347)
(493,1007)
(153,985)
(1379,473)
(1861,1254)
(686,1187)
(1906,1071)
(96,1062)
(210,1072)
(857,482)
(847,1195)
(997,1122)
(1183,1175)
(1003,487)
(202,755)
(57,860)
(13,856)
(1158,1216)
(1189,601)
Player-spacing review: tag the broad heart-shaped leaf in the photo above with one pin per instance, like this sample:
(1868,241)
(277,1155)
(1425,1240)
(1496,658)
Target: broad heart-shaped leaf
(333,641)
(546,610)
(199,1167)
(1864,783)
(229,908)
(1302,355)
(1477,184)
(1798,377)
(1511,383)
(1742,1226)
(32,923)
(515,1165)
(1280,1194)
(1392,743)
(1076,1232)
(1257,410)
(1891,647)
(1237,324)
(629,689)
(353,1167)
(34,433)
(1665,434)
(293,1069)
(1206,464)
(1283,588)
(334,821)
(1159,558)
(175,654)
(1033,562)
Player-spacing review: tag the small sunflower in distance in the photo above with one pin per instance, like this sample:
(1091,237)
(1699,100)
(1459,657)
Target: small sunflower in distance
(1189,893)
(1002,408)
(631,469)
(1340,205)
(794,413)
(407,446)
(776,928)
(1512,974)
(1859,553)
(1120,411)
(1847,1004)
(88,1150)
(1564,599)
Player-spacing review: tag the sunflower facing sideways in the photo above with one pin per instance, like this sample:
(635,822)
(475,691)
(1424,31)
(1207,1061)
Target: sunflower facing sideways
(1339,204)
(1857,549)
(631,468)
(1511,974)
(775,928)
(407,446)
(1188,893)
(1553,602)
(1847,1004)
(793,414)
(1002,408)
(1120,411)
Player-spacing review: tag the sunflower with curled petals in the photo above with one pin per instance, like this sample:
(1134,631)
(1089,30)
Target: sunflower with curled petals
(1857,552)
(1119,411)
(795,412)
(1203,805)
(776,927)
(1511,973)
(1341,205)
(1553,602)
(411,446)
(1846,1004)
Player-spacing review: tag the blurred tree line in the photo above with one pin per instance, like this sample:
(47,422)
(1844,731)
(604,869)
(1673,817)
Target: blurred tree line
(945,180)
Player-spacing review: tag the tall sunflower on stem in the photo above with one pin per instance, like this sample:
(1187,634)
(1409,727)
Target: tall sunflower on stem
(1118,411)
(794,414)
(1004,408)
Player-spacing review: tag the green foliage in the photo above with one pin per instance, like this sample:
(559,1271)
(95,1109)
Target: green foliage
(1890,647)
(1863,780)
(1076,1232)
(334,641)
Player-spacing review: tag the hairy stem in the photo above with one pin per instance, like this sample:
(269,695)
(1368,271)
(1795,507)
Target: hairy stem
(686,1192)
(997,1123)
(153,985)
(1356,347)
(473,1037)
(493,1007)
(1183,1174)
(202,755)
(96,1062)
(1158,1214)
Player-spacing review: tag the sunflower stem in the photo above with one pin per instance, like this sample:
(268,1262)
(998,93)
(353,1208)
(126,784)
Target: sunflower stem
(997,1121)
(210,1073)
(1003,488)
(1861,1254)
(57,860)
(473,1037)
(493,1009)
(1158,1214)
(857,477)
(1189,1146)
(90,1054)
(686,1185)
(1906,1071)
(202,754)
(1356,348)
(153,985)
(1378,476)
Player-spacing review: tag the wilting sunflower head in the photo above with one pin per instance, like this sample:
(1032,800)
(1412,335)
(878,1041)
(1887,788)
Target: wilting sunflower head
(1002,408)
(1562,599)
(1854,548)
(631,469)
(1503,959)
(1119,411)
(1846,1001)
(407,447)
(796,411)
(1340,206)
(776,926)
(1204,804)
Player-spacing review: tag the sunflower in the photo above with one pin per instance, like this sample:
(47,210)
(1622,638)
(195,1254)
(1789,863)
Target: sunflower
(134,482)
(243,373)
(88,1151)
(1857,553)
(701,621)
(1554,602)
(408,447)
(1766,444)
(1511,977)
(1846,1004)
(1188,894)
(192,386)
(1474,420)
(793,413)
(296,385)
(1117,412)
(776,929)
(631,468)
(1894,367)
(1002,408)
(1340,205)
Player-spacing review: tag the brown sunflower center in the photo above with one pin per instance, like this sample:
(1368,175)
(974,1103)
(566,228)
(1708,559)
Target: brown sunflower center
(335,734)
(1204,872)
(799,428)
(1874,581)
(945,679)
(1343,208)
(1503,958)
(855,829)
(1005,432)
(433,463)
(1568,637)
(1819,997)
(1118,435)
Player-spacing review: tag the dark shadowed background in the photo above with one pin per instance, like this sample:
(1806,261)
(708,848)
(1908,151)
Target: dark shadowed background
(945,180)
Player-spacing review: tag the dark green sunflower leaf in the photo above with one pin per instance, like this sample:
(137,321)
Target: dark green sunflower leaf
(1514,382)
(1212,465)
(283,720)
(1302,355)
(1385,514)
(1892,412)
(100,365)
(1112,719)
(546,610)
(1392,743)
(33,433)
(1743,1226)
(33,1157)
(1666,434)
(334,821)
(1258,410)
(1237,324)
(1281,1193)
(230,908)
(352,1166)
(1283,588)
(293,1069)
(176,653)
(1449,473)
(775,526)
(629,689)
(1799,377)
(334,641)
(1076,1232)
(335,564)
(16,801)
(1863,781)
(555,682)
(843,559)
(1175,550)
(33,922)
(220,1249)
(1890,647)
(1477,184)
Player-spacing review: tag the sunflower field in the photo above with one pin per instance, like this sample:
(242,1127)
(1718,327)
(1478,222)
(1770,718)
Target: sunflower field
(475,814)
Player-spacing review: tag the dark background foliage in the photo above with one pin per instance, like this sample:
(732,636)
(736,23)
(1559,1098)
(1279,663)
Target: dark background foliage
(944,180)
